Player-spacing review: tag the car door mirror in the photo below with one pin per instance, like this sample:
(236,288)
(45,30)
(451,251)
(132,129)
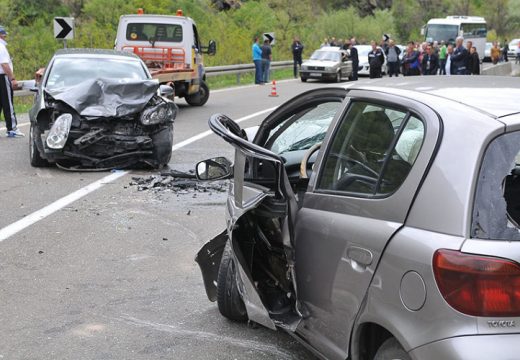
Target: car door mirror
(214,169)
(212,48)
(166,91)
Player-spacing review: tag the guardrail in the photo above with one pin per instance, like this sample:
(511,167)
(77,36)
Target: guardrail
(210,71)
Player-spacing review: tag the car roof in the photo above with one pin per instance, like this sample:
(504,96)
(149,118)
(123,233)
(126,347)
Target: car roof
(497,96)
(94,53)
(330,48)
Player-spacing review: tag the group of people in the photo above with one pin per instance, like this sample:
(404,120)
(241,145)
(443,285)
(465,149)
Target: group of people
(262,57)
(7,84)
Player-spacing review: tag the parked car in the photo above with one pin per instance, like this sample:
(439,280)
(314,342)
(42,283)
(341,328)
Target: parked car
(513,45)
(364,66)
(391,233)
(327,63)
(100,109)
(487,52)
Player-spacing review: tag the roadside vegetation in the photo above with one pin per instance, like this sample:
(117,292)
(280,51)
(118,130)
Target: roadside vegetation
(31,40)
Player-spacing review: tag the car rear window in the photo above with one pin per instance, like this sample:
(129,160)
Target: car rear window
(496,211)
(154,32)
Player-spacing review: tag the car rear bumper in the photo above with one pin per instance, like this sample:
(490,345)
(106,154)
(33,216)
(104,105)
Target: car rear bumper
(478,347)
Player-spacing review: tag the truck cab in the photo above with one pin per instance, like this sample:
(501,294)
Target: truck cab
(170,47)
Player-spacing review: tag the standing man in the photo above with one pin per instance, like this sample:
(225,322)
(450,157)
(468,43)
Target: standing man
(505,50)
(257,59)
(474,62)
(411,64)
(448,67)
(376,60)
(392,58)
(266,60)
(430,62)
(7,83)
(459,57)
(355,58)
(297,50)
(442,58)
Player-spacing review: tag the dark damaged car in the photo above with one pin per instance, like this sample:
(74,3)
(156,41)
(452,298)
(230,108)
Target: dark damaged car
(100,109)
(378,221)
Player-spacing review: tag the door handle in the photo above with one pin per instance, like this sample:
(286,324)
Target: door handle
(360,255)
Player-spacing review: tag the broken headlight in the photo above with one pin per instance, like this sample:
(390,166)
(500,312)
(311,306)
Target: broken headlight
(164,112)
(59,132)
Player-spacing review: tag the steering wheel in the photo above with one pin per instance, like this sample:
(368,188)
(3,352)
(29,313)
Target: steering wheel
(304,163)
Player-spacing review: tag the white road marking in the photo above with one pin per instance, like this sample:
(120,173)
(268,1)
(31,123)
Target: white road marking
(241,87)
(19,125)
(59,204)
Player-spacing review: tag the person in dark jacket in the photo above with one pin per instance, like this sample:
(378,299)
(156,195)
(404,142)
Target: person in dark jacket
(459,57)
(355,58)
(430,62)
(297,50)
(474,62)
(376,59)
(411,65)
(392,58)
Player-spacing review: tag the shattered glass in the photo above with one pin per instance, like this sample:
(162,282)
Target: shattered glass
(495,212)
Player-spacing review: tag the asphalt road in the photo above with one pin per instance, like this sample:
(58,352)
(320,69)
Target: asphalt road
(111,275)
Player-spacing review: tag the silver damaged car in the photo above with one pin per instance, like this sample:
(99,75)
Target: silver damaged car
(378,221)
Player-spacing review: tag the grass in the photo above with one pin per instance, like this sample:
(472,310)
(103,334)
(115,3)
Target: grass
(223,81)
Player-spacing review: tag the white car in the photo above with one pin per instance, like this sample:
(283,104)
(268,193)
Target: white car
(364,67)
(327,63)
(513,45)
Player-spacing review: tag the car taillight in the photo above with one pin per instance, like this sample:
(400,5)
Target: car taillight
(478,285)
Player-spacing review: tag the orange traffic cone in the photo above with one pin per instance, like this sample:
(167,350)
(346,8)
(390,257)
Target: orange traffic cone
(273,90)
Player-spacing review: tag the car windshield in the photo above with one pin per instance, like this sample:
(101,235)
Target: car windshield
(305,130)
(70,71)
(439,32)
(326,55)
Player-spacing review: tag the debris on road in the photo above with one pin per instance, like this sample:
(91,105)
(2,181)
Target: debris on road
(177,182)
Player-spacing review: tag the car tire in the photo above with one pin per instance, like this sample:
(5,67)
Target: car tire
(391,350)
(34,154)
(304,79)
(338,77)
(162,146)
(199,98)
(229,301)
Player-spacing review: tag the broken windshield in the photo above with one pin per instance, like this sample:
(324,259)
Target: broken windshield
(496,212)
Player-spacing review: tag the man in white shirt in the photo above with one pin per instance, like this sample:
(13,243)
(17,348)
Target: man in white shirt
(7,83)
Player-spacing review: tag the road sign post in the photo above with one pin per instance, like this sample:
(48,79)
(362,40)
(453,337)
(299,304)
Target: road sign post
(270,36)
(64,29)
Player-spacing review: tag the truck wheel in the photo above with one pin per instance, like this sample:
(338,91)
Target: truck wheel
(34,153)
(230,303)
(304,79)
(391,350)
(199,98)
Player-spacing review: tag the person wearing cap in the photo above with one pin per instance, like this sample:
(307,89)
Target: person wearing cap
(7,83)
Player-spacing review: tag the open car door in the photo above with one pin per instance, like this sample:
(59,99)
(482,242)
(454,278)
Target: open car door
(262,206)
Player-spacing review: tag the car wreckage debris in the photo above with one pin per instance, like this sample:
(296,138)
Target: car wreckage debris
(177,182)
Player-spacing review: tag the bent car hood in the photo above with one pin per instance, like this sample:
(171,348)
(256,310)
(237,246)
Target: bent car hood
(107,97)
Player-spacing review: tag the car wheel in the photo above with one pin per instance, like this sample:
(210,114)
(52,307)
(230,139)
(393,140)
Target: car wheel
(162,146)
(230,303)
(304,79)
(391,350)
(199,98)
(338,77)
(34,154)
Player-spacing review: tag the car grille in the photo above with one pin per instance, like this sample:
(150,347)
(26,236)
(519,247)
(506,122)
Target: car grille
(321,68)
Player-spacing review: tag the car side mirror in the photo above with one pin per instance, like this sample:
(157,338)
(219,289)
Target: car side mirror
(214,169)
(166,91)
(212,48)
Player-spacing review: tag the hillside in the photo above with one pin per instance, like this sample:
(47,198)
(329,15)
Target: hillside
(233,23)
